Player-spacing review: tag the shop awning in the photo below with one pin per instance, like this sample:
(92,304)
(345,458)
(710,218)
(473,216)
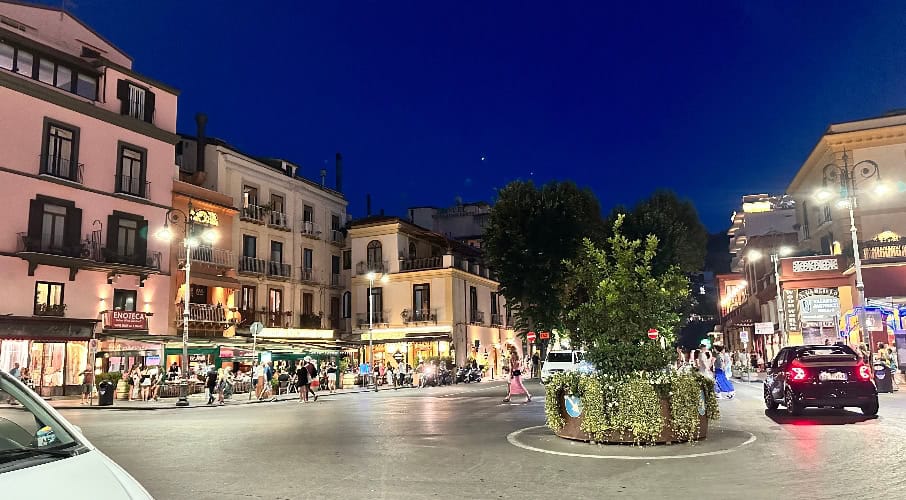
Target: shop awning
(199,278)
(886,281)
(46,328)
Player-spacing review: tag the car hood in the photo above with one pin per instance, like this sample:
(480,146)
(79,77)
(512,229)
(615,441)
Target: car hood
(89,475)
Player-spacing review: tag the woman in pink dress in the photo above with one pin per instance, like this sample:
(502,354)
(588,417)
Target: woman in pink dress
(516,386)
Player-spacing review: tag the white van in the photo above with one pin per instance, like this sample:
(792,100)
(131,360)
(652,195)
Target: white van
(560,361)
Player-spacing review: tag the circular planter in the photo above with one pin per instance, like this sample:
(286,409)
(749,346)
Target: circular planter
(572,427)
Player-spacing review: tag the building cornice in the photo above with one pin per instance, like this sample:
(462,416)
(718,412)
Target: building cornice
(278,178)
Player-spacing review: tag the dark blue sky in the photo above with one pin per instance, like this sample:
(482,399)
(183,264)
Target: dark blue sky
(713,100)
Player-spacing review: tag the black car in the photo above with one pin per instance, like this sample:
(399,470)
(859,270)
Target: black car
(819,376)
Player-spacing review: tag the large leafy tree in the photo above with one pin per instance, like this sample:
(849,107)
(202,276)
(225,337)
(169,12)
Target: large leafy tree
(529,233)
(682,238)
(624,299)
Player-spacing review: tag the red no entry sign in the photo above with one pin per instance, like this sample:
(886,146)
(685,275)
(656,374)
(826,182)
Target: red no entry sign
(530,336)
(652,333)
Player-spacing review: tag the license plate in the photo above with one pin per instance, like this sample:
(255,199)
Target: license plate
(832,376)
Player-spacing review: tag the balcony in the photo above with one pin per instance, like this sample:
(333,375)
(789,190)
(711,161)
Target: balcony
(275,319)
(208,255)
(877,252)
(423,315)
(133,186)
(279,270)
(337,238)
(278,220)
(251,265)
(476,317)
(252,213)
(50,310)
(372,267)
(307,275)
(497,320)
(380,318)
(88,255)
(420,264)
(310,320)
(309,229)
(61,168)
(335,280)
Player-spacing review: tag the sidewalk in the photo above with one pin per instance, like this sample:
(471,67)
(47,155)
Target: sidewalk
(196,401)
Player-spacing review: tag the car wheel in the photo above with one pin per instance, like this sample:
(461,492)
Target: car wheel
(769,402)
(870,409)
(792,406)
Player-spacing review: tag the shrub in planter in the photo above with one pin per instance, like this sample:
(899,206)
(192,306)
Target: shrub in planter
(614,298)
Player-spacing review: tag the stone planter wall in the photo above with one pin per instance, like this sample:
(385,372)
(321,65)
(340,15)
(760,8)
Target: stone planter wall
(572,428)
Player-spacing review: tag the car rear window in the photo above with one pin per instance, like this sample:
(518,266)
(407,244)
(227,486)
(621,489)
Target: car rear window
(560,357)
(828,350)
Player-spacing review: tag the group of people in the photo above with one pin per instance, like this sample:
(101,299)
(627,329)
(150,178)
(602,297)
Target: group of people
(714,364)
(144,383)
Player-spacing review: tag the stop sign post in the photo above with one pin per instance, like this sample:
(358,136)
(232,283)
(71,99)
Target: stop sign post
(530,336)
(652,333)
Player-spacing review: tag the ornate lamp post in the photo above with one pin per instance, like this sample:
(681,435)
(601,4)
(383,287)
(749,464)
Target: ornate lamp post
(846,176)
(776,254)
(190,241)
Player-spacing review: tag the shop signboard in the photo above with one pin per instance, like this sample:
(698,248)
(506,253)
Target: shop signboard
(819,304)
(126,320)
(764,328)
(791,309)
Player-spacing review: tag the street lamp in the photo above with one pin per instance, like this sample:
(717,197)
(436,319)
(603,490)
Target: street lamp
(384,279)
(845,177)
(776,254)
(209,235)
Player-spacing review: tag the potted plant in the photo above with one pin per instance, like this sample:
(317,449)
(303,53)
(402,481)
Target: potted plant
(627,391)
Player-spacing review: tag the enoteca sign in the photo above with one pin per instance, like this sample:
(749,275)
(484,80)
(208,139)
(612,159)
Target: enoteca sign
(126,320)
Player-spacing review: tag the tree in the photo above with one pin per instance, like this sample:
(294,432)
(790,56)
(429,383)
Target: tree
(529,233)
(682,237)
(625,298)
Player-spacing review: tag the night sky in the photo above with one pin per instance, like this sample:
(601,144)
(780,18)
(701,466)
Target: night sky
(713,101)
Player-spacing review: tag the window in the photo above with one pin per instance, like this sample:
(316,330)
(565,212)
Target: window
(334,264)
(308,214)
(335,222)
(249,246)
(806,234)
(334,312)
(307,257)
(136,101)
(131,171)
(47,71)
(275,300)
(64,78)
(495,310)
(24,63)
(277,203)
(127,238)
(347,259)
(124,300)
(247,299)
(308,301)
(374,257)
(377,296)
(60,151)
(49,299)
(249,196)
(87,86)
(54,226)
(421,301)
(7,56)
(413,250)
(347,305)
(473,304)
(277,252)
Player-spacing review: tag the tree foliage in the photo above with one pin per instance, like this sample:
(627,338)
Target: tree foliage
(682,238)
(624,298)
(529,233)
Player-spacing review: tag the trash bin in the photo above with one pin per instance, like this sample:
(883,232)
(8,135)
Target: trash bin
(105,394)
(883,378)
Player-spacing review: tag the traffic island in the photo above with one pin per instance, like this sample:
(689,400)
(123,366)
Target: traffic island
(639,408)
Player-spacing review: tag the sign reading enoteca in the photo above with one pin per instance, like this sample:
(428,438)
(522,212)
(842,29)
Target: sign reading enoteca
(126,320)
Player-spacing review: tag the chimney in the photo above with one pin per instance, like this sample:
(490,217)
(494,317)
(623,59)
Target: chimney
(324,176)
(368,205)
(382,212)
(200,121)
(339,173)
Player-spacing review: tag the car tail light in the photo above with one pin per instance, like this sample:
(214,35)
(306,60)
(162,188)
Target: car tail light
(864,371)
(797,371)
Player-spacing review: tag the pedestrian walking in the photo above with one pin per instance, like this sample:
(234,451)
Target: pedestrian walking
(211,383)
(536,365)
(722,384)
(515,386)
(312,371)
(302,381)
(704,362)
(87,385)
(258,377)
(221,385)
(332,377)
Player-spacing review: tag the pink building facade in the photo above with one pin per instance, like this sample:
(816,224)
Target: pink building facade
(86,174)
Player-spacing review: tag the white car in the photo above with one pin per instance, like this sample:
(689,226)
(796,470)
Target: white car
(560,361)
(44,456)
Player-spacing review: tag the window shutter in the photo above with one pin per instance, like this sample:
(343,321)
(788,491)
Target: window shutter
(113,226)
(35,223)
(141,244)
(122,93)
(72,232)
(149,106)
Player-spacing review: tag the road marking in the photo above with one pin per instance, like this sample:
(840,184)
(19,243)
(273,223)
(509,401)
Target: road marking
(513,441)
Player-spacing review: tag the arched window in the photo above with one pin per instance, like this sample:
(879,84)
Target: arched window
(347,305)
(375,259)
(413,250)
